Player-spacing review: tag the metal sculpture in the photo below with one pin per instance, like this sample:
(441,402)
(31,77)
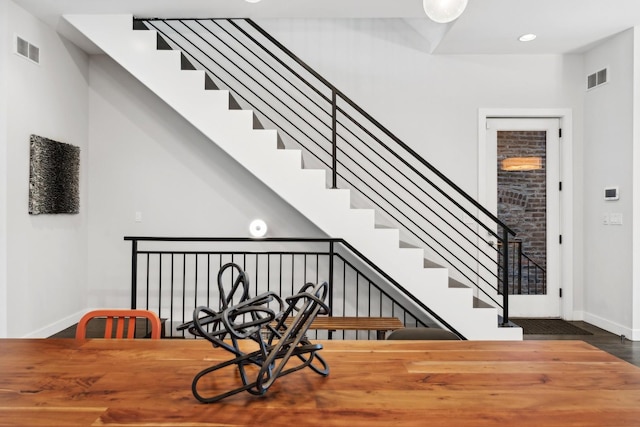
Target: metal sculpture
(280,333)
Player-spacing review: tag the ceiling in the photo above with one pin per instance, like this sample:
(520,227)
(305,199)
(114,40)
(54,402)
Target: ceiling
(486,26)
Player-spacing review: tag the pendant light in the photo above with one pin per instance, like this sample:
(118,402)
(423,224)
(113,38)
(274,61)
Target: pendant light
(443,11)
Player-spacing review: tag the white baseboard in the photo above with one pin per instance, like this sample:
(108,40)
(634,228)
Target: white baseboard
(56,327)
(613,327)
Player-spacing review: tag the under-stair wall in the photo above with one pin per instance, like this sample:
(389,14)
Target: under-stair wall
(256,149)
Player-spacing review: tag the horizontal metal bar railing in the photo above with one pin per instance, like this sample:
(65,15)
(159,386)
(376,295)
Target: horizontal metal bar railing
(360,153)
(179,269)
(377,124)
(527,276)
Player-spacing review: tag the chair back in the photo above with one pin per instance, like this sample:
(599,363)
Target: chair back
(119,317)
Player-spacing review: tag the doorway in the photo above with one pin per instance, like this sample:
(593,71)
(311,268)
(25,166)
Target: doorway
(522,188)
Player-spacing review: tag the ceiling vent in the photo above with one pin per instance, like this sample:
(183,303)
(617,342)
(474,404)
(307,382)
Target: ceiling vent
(27,50)
(597,78)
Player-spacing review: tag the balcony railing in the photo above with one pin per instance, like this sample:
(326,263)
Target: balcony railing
(174,275)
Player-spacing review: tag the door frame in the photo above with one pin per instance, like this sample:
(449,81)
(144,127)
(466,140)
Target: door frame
(564,115)
(527,305)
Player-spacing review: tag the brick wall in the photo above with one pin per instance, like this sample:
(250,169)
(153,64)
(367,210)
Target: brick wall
(522,194)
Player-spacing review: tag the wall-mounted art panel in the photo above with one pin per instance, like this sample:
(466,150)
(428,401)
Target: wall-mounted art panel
(53,177)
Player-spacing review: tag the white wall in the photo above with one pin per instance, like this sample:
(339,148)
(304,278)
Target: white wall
(430,101)
(46,254)
(142,158)
(4,54)
(145,158)
(608,150)
(183,185)
(636,180)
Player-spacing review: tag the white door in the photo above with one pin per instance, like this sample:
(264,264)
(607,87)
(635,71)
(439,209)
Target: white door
(523,191)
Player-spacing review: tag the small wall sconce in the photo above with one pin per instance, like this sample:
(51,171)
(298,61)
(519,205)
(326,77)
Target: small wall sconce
(258,228)
(521,164)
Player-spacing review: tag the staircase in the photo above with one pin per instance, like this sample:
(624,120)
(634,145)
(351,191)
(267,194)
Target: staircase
(211,110)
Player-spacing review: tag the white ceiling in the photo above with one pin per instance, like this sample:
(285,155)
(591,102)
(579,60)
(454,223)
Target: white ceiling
(486,27)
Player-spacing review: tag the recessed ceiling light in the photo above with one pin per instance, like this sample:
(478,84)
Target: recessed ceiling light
(252,1)
(527,37)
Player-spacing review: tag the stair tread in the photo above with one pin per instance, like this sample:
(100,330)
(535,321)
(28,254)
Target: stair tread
(404,244)
(453,283)
(162,44)
(431,264)
(139,25)
(384,226)
(233,103)
(209,84)
(185,64)
(478,303)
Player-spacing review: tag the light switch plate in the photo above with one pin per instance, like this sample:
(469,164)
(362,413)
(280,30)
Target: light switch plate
(616,219)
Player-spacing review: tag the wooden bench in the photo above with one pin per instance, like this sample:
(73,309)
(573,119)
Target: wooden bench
(336,323)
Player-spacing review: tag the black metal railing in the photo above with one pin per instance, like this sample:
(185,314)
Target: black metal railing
(174,275)
(359,153)
(526,277)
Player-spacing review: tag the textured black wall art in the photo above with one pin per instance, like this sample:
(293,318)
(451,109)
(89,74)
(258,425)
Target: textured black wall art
(53,177)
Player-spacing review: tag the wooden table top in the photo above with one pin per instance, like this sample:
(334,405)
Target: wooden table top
(357,323)
(372,383)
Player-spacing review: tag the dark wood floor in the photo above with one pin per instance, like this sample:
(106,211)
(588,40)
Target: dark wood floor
(623,349)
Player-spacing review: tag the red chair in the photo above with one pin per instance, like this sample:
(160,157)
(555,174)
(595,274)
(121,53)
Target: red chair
(120,317)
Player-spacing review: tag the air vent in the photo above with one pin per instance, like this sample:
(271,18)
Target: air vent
(27,50)
(596,79)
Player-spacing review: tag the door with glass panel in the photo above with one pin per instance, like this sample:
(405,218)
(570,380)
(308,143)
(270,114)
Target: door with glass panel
(522,189)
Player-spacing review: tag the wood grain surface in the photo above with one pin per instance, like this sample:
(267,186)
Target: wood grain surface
(339,323)
(357,323)
(64,382)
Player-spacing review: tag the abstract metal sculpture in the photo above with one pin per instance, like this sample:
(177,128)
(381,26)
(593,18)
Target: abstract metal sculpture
(279,334)
(53,177)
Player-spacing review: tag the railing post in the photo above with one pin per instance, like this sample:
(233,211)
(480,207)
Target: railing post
(505,277)
(331,256)
(519,245)
(334,139)
(134,273)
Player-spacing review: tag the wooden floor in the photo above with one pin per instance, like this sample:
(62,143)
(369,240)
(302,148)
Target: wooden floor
(624,349)
(372,383)
(611,343)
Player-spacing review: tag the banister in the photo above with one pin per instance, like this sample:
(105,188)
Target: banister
(381,127)
(357,143)
(355,106)
(135,251)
